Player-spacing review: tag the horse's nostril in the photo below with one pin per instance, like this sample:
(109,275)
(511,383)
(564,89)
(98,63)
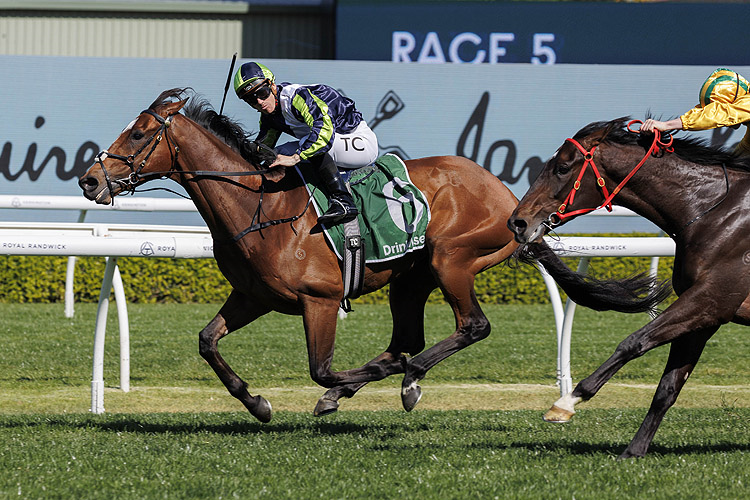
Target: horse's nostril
(88,183)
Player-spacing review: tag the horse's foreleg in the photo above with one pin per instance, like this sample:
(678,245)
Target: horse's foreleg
(237,312)
(683,356)
(689,314)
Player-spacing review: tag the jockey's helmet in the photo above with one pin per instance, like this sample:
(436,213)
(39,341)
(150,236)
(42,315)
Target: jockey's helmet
(723,86)
(250,76)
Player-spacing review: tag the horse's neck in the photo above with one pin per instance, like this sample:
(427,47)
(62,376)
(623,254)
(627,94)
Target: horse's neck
(223,202)
(665,189)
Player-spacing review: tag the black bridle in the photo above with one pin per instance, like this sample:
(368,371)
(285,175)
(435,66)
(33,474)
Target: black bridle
(130,182)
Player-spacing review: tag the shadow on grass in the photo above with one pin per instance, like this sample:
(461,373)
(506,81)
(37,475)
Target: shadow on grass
(385,425)
(476,435)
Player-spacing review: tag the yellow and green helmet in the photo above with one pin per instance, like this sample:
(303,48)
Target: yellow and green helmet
(250,76)
(724,86)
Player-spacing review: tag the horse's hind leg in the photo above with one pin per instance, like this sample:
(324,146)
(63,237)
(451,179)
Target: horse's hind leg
(683,356)
(236,312)
(457,283)
(408,296)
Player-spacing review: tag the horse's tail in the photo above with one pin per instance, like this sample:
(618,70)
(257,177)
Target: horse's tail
(638,293)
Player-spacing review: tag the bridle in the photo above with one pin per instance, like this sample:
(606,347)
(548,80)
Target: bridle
(658,145)
(130,182)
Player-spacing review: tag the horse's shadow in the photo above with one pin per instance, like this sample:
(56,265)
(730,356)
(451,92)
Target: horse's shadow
(387,434)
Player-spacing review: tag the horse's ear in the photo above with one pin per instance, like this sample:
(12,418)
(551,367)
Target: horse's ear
(173,107)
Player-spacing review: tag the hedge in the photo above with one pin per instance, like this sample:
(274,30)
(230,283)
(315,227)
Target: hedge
(148,280)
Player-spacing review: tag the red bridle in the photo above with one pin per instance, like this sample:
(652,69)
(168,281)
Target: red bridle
(588,157)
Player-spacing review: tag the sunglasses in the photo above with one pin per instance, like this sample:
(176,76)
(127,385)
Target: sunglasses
(261,93)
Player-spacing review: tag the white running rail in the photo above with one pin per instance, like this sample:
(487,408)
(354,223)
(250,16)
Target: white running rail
(122,240)
(110,241)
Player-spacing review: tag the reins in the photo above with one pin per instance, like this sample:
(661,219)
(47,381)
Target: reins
(135,177)
(658,145)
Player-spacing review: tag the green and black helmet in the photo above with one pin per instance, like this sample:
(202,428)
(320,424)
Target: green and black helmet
(250,76)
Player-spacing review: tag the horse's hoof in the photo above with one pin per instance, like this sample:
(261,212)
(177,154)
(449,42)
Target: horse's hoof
(558,415)
(325,406)
(410,396)
(262,410)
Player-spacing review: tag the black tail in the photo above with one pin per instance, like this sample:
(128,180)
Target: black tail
(638,293)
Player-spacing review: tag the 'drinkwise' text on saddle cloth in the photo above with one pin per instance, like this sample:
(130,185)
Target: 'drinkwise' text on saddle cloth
(393,212)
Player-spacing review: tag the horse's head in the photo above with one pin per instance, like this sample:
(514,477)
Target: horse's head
(142,152)
(549,202)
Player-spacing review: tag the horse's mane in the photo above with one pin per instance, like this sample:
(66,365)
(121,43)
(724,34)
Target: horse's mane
(692,149)
(229,131)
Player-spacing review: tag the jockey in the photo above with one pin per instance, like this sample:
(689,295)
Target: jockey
(330,132)
(723,101)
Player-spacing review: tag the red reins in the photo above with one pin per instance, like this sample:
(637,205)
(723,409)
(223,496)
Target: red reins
(588,157)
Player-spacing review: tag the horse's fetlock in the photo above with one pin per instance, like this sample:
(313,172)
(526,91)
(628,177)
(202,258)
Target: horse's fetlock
(414,371)
(324,379)
(237,388)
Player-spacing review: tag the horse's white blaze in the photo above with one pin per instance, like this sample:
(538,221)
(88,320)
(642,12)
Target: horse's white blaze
(129,126)
(568,402)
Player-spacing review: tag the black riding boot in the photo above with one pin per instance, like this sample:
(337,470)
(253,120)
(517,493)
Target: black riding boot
(341,204)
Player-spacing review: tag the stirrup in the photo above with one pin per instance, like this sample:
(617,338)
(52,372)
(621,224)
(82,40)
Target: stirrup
(338,214)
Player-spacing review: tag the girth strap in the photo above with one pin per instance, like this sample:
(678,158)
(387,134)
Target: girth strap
(354,262)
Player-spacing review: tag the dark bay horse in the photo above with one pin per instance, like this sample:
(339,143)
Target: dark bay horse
(290,269)
(698,195)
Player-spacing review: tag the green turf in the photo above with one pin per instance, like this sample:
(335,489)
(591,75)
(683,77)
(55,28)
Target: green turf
(477,433)
(366,455)
(44,349)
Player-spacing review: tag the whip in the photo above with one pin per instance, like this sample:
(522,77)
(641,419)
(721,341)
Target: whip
(229,80)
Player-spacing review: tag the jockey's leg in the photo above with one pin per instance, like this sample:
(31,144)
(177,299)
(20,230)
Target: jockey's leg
(341,204)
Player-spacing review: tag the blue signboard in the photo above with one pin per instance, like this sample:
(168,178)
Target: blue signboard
(543,33)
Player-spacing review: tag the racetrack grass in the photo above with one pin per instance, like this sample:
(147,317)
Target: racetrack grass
(45,363)
(366,455)
(477,433)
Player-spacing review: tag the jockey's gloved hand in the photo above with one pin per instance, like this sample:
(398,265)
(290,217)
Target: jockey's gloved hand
(261,155)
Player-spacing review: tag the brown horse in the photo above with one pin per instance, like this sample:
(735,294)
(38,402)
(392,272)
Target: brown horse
(696,194)
(289,267)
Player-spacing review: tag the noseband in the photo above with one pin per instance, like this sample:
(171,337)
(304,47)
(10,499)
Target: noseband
(130,182)
(557,218)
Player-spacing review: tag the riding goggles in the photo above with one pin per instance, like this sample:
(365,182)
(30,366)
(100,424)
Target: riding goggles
(260,92)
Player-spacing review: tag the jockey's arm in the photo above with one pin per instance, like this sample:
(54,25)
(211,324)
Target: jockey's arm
(718,114)
(651,124)
(313,111)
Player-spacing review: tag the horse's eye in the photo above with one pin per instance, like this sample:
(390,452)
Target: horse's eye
(562,169)
(137,135)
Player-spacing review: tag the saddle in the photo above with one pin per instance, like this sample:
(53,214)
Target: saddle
(392,221)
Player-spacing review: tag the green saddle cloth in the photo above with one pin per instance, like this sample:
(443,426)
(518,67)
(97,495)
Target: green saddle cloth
(393,212)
